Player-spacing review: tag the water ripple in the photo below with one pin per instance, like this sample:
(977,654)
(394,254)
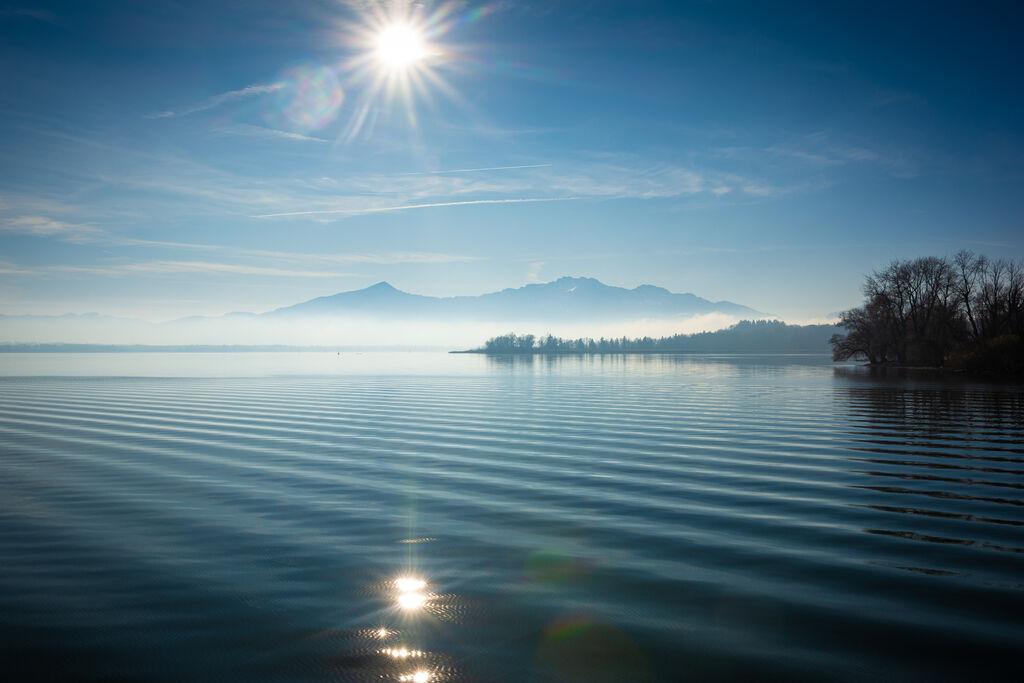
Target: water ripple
(634,519)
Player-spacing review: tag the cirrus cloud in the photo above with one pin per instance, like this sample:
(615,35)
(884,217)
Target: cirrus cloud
(44,226)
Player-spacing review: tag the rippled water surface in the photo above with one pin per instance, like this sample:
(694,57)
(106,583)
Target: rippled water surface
(426,517)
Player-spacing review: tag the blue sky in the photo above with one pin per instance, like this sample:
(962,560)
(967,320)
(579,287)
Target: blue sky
(168,158)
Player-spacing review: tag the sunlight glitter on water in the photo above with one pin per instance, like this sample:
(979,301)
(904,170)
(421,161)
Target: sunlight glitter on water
(410,593)
(421,676)
(668,514)
(410,584)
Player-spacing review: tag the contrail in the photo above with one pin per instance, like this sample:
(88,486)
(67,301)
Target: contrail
(473,170)
(217,100)
(407,207)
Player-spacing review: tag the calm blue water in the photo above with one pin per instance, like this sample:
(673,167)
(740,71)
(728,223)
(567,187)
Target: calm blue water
(426,517)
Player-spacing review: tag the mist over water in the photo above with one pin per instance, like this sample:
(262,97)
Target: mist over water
(334,330)
(414,517)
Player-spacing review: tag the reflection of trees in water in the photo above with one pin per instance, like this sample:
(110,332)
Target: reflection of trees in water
(916,402)
(946,457)
(539,361)
(718,365)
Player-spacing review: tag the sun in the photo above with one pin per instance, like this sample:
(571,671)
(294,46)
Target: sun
(399,46)
(397,58)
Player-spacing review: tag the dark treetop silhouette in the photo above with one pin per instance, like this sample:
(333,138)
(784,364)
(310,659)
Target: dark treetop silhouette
(966,313)
(748,336)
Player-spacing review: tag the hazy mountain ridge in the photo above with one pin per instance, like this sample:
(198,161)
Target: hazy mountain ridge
(381,314)
(578,298)
(377,299)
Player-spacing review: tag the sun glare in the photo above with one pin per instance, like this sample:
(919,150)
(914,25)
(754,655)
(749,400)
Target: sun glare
(409,584)
(411,601)
(399,46)
(398,56)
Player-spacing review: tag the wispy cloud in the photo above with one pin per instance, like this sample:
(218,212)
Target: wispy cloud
(249,130)
(227,268)
(376,258)
(475,170)
(409,207)
(157,182)
(608,178)
(218,100)
(533,271)
(618,180)
(267,262)
(492,131)
(821,149)
(178,267)
(394,258)
(13,269)
(43,226)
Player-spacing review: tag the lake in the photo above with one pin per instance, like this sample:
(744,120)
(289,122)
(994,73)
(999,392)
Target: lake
(434,517)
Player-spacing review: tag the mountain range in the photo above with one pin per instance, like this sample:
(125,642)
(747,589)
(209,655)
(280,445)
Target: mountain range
(574,298)
(380,314)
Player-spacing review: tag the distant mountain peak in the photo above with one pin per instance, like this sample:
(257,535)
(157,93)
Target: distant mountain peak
(651,289)
(571,280)
(568,297)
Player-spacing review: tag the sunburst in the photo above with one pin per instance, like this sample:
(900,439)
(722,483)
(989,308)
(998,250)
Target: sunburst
(399,56)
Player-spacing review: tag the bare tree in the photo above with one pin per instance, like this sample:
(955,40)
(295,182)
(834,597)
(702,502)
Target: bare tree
(922,310)
(969,268)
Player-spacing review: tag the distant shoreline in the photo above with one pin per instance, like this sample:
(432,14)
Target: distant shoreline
(484,352)
(747,337)
(199,348)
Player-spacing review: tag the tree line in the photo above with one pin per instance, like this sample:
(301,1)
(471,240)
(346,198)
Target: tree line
(966,312)
(748,336)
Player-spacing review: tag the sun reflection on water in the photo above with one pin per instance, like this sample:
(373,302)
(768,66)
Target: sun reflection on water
(402,662)
(409,584)
(410,593)
(402,652)
(411,601)
(421,676)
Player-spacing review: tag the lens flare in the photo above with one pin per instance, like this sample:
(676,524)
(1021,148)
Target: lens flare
(310,96)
